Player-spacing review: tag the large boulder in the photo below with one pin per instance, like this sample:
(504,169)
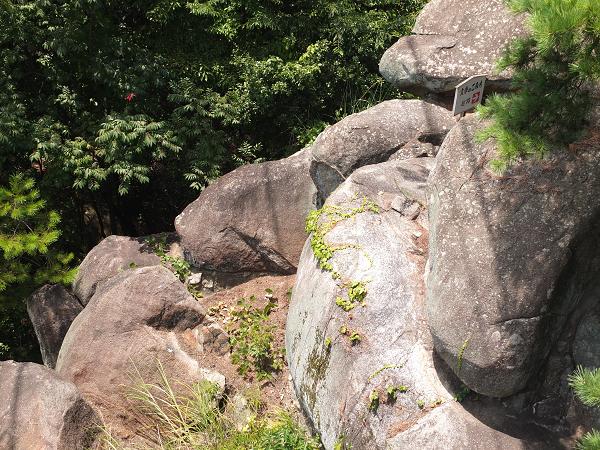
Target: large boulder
(112,256)
(506,267)
(372,136)
(39,410)
(453,40)
(52,309)
(252,219)
(136,321)
(347,351)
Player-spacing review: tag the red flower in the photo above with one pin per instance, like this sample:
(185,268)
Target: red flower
(129,97)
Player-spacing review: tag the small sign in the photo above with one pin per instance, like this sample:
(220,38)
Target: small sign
(468,94)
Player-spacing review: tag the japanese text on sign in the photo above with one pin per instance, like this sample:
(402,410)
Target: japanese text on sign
(468,94)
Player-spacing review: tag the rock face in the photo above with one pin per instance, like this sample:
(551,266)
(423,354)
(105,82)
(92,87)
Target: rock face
(52,309)
(503,253)
(343,362)
(39,410)
(134,321)
(252,219)
(112,256)
(372,136)
(453,40)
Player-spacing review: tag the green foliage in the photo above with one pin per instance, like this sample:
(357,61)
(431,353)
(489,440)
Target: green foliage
(183,416)
(121,102)
(590,441)
(252,338)
(553,72)
(374,400)
(28,259)
(318,224)
(586,384)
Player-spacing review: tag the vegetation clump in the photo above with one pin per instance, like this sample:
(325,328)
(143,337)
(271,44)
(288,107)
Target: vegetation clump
(554,70)
(318,224)
(177,416)
(252,338)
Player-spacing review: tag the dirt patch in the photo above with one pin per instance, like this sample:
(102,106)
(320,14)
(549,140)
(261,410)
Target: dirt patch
(274,393)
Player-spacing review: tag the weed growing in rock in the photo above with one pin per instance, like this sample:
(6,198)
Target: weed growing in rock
(374,400)
(460,356)
(392,392)
(318,224)
(352,335)
(252,338)
(461,395)
(380,370)
(177,416)
(180,267)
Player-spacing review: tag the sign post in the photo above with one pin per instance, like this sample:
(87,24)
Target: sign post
(468,94)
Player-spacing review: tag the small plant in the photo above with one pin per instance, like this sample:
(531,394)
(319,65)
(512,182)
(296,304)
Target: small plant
(352,335)
(462,394)
(421,403)
(374,400)
(381,369)
(328,343)
(180,267)
(392,392)
(252,338)
(461,354)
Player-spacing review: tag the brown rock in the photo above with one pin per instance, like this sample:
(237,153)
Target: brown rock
(52,309)
(252,219)
(39,410)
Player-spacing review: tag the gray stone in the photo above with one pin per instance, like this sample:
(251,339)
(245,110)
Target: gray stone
(134,321)
(501,251)
(110,257)
(334,378)
(39,410)
(586,347)
(453,40)
(372,136)
(252,219)
(52,309)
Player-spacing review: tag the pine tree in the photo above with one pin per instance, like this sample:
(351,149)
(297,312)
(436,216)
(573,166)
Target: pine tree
(27,259)
(554,70)
(586,384)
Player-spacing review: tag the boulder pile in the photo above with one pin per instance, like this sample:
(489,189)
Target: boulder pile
(435,304)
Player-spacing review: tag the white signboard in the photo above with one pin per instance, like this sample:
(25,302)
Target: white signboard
(468,94)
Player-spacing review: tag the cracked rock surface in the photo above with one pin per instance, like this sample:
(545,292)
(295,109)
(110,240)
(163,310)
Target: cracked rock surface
(336,379)
(252,219)
(39,410)
(134,321)
(500,247)
(453,40)
(374,135)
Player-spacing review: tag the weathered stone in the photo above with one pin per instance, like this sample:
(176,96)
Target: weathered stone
(499,285)
(39,410)
(112,256)
(52,309)
(372,136)
(134,321)
(586,347)
(454,40)
(252,219)
(335,379)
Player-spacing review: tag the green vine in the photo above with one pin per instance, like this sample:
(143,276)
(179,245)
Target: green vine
(318,224)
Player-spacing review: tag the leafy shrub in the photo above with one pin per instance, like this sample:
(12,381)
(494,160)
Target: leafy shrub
(554,70)
(252,338)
